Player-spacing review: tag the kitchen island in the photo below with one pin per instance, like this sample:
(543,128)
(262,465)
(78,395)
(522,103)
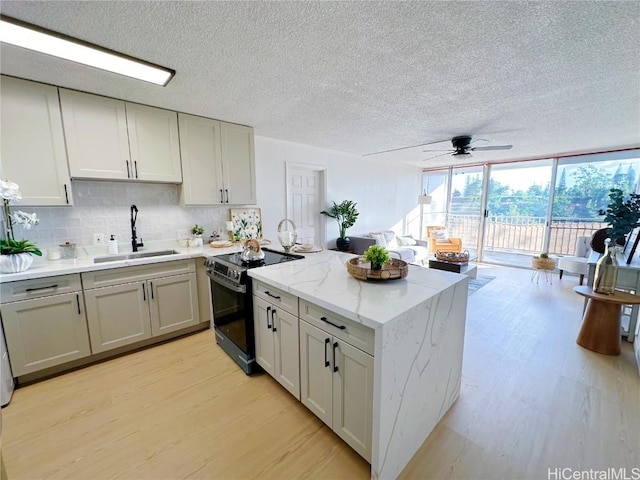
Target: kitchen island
(419,325)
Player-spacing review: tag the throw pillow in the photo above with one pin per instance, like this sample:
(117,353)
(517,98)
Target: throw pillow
(440,235)
(407,241)
(379,238)
(390,237)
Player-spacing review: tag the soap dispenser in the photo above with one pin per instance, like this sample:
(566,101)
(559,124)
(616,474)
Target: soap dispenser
(112,247)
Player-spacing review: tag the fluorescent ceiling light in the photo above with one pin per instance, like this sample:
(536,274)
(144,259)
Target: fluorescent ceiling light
(51,43)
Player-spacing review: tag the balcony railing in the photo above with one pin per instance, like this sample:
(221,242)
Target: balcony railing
(523,234)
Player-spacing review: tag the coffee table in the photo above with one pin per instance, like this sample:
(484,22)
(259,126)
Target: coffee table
(469,270)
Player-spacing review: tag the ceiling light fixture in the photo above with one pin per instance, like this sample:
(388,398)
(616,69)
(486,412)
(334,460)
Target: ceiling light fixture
(45,41)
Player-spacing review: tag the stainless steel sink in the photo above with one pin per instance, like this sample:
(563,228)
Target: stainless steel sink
(134,255)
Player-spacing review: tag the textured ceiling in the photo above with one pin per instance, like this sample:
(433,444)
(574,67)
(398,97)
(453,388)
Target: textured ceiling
(358,77)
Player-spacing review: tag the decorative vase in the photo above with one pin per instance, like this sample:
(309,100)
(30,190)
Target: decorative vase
(15,262)
(606,270)
(343,244)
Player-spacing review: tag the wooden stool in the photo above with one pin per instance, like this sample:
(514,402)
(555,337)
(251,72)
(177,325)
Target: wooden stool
(600,331)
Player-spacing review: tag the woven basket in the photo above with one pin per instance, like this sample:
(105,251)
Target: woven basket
(361,270)
(453,257)
(543,263)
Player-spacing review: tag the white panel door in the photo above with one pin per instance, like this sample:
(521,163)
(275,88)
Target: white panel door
(316,371)
(154,145)
(95,129)
(33,150)
(304,202)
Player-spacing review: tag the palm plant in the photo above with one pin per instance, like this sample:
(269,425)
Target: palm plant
(345,214)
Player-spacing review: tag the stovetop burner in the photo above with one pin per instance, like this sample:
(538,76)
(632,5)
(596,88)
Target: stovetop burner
(271,257)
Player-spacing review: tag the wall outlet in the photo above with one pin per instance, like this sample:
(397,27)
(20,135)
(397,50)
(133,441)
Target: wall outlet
(99,239)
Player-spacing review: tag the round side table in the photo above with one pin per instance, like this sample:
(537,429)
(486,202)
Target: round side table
(600,331)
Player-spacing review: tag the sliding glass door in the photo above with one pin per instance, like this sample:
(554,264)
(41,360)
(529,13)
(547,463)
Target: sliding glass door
(516,214)
(465,212)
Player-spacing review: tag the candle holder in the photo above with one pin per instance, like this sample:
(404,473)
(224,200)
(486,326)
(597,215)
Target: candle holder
(287,234)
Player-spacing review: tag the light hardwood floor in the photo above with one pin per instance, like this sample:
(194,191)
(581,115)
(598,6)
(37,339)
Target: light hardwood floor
(531,400)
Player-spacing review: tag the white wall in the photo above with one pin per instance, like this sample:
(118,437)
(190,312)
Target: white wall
(386,194)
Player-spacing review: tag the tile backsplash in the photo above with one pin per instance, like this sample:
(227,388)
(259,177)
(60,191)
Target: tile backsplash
(103,207)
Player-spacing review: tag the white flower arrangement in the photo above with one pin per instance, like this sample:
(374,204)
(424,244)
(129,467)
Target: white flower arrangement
(10,192)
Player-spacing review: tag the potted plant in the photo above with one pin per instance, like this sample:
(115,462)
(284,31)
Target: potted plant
(622,215)
(378,256)
(346,215)
(15,255)
(196,231)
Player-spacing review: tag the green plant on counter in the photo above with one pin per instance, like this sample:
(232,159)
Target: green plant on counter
(197,229)
(543,255)
(377,255)
(345,214)
(12,247)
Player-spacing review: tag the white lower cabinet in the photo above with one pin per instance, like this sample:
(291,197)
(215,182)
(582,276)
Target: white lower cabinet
(276,337)
(44,327)
(336,384)
(163,299)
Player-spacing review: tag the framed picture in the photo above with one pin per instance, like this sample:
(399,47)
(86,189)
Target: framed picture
(631,244)
(247,223)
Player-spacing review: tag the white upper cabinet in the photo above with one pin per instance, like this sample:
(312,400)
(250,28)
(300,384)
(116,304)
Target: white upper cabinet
(111,139)
(96,132)
(153,142)
(201,163)
(238,163)
(33,148)
(218,162)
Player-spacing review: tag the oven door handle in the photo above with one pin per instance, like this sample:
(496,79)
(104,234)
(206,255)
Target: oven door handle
(229,286)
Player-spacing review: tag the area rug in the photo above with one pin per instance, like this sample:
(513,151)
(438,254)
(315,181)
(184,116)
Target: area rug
(476,284)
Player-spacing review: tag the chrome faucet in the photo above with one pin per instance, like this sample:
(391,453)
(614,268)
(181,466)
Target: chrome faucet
(134,240)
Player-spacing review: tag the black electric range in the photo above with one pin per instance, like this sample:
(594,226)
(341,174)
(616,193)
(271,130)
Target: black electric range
(231,295)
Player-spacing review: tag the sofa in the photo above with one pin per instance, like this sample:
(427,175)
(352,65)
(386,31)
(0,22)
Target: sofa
(401,247)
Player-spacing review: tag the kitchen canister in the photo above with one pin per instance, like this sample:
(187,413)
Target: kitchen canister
(68,250)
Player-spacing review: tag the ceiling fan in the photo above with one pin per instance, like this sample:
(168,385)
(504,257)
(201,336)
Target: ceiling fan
(463,146)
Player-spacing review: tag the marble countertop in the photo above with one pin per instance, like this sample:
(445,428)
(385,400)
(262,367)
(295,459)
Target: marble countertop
(322,279)
(42,268)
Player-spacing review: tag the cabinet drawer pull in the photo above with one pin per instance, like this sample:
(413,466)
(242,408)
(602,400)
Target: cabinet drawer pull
(66,194)
(327,341)
(273,321)
(78,302)
(135,164)
(335,365)
(41,288)
(128,171)
(272,295)
(341,327)
(268,315)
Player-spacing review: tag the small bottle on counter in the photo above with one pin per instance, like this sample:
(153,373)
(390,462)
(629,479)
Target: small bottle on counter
(112,247)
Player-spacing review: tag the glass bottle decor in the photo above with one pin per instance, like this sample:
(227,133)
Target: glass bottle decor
(606,270)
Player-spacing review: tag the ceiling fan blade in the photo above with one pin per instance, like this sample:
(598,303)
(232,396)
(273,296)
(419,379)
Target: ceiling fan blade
(494,147)
(404,148)
(447,150)
(436,156)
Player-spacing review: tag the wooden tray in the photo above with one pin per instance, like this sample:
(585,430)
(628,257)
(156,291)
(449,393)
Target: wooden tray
(360,269)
